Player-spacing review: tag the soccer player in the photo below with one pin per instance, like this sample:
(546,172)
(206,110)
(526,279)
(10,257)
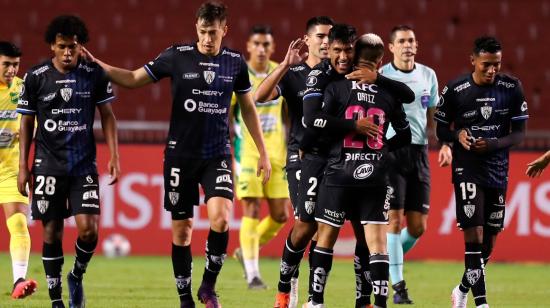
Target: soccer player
(250,191)
(356,164)
(484,114)
(535,168)
(62,95)
(15,205)
(410,170)
(203,75)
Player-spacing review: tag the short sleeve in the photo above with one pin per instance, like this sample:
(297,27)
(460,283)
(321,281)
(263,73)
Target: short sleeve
(27,96)
(104,89)
(519,105)
(162,65)
(242,82)
(445,107)
(434,90)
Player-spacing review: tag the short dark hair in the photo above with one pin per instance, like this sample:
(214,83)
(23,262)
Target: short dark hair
(318,20)
(9,49)
(343,33)
(399,28)
(488,44)
(261,29)
(67,26)
(211,11)
(368,47)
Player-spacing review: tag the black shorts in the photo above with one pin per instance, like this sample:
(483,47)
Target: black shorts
(369,205)
(409,175)
(293,172)
(59,197)
(311,176)
(182,178)
(477,205)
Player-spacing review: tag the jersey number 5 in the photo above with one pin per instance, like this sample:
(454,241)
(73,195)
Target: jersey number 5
(356,141)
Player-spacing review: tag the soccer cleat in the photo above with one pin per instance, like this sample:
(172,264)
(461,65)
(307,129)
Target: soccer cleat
(187,303)
(257,284)
(23,288)
(282,300)
(293,303)
(208,296)
(401,294)
(459,298)
(76,292)
(238,254)
(311,305)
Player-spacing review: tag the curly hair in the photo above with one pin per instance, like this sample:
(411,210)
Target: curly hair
(68,26)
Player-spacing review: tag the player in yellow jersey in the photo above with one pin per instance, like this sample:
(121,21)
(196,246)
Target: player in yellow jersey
(255,232)
(15,205)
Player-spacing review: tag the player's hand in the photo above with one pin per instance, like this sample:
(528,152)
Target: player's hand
(445,156)
(293,56)
(480,146)
(86,55)
(114,170)
(23,181)
(366,126)
(365,75)
(264,166)
(465,139)
(535,168)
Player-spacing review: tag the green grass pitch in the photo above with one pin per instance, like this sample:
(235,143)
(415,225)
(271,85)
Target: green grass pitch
(147,282)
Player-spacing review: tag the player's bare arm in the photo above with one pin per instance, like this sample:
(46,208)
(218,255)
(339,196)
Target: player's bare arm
(123,77)
(108,124)
(535,168)
(252,122)
(266,90)
(25,138)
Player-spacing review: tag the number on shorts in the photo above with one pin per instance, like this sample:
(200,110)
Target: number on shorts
(311,190)
(358,112)
(47,183)
(175,177)
(466,188)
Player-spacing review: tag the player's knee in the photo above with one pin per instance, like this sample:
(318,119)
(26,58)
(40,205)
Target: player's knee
(17,225)
(417,231)
(280,217)
(394,223)
(219,224)
(88,235)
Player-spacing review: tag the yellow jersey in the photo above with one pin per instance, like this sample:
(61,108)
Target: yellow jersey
(9,127)
(271,119)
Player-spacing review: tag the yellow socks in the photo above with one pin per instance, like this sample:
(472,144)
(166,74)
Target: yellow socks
(268,229)
(20,244)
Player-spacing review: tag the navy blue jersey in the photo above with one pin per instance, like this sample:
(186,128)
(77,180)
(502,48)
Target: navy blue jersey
(202,87)
(357,160)
(487,112)
(292,87)
(64,105)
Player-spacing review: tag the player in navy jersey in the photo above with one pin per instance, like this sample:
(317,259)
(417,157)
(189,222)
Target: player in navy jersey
(355,163)
(62,94)
(203,75)
(484,114)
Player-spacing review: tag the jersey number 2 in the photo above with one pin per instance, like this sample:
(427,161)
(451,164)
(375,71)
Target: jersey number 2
(358,112)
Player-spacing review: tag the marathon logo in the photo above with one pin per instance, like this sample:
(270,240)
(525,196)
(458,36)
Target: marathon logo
(208,64)
(363,156)
(486,99)
(461,87)
(65,81)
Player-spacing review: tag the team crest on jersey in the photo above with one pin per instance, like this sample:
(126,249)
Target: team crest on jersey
(310,206)
(209,76)
(43,205)
(224,164)
(469,210)
(473,276)
(174,197)
(486,112)
(66,93)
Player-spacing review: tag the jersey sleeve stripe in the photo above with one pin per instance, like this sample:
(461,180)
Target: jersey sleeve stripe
(150,73)
(312,95)
(244,91)
(440,120)
(25,111)
(108,99)
(521,117)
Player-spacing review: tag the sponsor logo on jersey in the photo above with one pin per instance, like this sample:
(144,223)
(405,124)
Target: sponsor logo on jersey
(496,215)
(6,137)
(441,101)
(320,123)
(65,81)
(335,214)
(209,76)
(486,128)
(232,54)
(90,194)
(364,87)
(64,126)
(226,78)
(66,111)
(486,99)
(92,205)
(211,108)
(444,90)
(190,76)
(174,197)
(8,114)
(363,171)
(364,156)
(461,87)
(66,93)
(208,64)
(207,92)
(469,114)
(87,94)
(39,71)
(310,206)
(42,205)
(224,178)
(486,112)
(49,97)
(185,48)
(297,68)
(311,81)
(469,210)
(86,67)
(506,84)
(524,106)
(315,73)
